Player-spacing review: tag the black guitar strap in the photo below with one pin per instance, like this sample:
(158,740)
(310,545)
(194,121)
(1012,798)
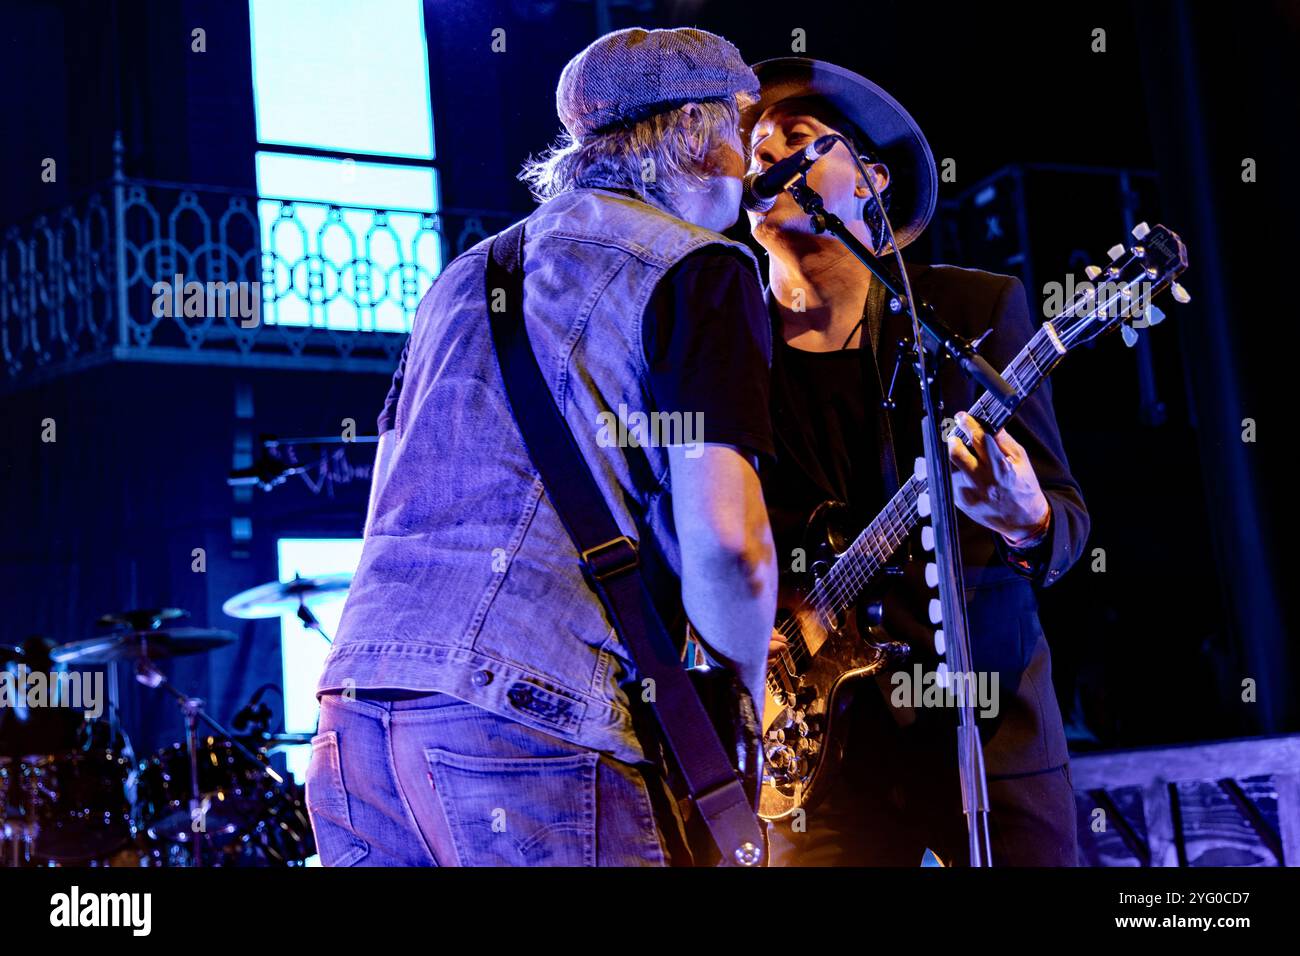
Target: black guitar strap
(612,565)
(873,316)
(873,320)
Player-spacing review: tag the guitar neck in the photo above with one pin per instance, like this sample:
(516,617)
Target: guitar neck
(841,586)
(1024,374)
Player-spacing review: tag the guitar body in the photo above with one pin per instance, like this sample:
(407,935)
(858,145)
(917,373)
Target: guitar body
(810,688)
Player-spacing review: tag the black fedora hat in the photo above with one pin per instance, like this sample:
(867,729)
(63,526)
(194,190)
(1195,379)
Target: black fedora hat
(890,129)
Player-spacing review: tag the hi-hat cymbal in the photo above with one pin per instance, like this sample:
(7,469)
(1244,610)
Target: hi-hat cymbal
(284,597)
(133,645)
(142,619)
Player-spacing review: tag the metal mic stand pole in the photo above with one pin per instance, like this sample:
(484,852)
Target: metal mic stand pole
(309,620)
(943,515)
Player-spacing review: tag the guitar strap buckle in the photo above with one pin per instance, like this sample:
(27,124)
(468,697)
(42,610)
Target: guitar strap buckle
(611,558)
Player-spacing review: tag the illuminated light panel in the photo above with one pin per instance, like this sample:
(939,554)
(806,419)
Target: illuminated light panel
(302,651)
(342,75)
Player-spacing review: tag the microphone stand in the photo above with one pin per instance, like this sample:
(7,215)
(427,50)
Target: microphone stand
(943,510)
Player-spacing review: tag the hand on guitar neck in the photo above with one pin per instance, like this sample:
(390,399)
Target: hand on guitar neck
(995,484)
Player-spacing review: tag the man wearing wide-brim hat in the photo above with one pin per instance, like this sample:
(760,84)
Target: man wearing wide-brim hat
(1023,525)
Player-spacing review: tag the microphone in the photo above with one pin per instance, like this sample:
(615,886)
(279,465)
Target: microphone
(254,713)
(761,189)
(266,472)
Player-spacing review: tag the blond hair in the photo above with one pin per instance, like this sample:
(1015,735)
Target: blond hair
(656,157)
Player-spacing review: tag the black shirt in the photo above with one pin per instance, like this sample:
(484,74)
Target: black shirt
(825,408)
(828,443)
(706,336)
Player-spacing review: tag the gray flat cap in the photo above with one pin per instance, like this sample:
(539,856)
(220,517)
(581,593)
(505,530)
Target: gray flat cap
(627,75)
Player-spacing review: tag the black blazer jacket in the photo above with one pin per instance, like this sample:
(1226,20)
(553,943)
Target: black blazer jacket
(1026,735)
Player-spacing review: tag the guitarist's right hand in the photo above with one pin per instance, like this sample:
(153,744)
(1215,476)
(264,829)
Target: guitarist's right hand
(775,645)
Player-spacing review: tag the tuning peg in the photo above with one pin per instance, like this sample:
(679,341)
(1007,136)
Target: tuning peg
(940,643)
(923,504)
(936,611)
(1180,294)
(927,537)
(918,469)
(1130,337)
(1154,314)
(931,574)
(1115,251)
(1091,272)
(941,675)
(1141,230)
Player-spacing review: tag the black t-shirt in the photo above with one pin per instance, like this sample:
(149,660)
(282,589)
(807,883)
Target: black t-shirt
(705,335)
(828,446)
(826,414)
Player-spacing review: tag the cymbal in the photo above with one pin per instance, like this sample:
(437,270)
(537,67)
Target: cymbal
(284,597)
(142,619)
(133,645)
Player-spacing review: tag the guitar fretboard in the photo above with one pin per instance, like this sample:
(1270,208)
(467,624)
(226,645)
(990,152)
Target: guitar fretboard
(872,549)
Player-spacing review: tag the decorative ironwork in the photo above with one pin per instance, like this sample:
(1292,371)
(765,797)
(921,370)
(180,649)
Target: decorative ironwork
(145,270)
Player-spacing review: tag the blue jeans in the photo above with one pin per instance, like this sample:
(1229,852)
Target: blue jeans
(434,781)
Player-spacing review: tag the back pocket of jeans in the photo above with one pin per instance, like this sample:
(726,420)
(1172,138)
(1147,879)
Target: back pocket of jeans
(518,811)
(327,804)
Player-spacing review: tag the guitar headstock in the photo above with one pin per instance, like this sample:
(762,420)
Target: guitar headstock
(1121,294)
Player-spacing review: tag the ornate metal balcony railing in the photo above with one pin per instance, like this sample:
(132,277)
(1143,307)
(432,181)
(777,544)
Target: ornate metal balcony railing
(112,276)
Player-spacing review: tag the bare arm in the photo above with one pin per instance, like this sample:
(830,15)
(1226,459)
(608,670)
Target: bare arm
(729,577)
(379,474)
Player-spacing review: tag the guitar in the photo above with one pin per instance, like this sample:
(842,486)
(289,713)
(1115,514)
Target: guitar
(828,649)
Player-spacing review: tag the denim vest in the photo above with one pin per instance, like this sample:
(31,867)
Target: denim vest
(468,584)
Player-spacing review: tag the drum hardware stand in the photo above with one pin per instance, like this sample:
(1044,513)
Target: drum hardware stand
(114,717)
(941,342)
(147,673)
(309,620)
(23,834)
(280,597)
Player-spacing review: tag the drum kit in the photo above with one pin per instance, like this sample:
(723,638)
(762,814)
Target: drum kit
(73,794)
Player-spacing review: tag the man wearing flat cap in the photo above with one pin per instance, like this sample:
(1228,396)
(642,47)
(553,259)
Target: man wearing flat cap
(1023,521)
(473,709)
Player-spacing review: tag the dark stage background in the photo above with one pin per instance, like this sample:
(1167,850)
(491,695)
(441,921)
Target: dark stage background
(1196,524)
